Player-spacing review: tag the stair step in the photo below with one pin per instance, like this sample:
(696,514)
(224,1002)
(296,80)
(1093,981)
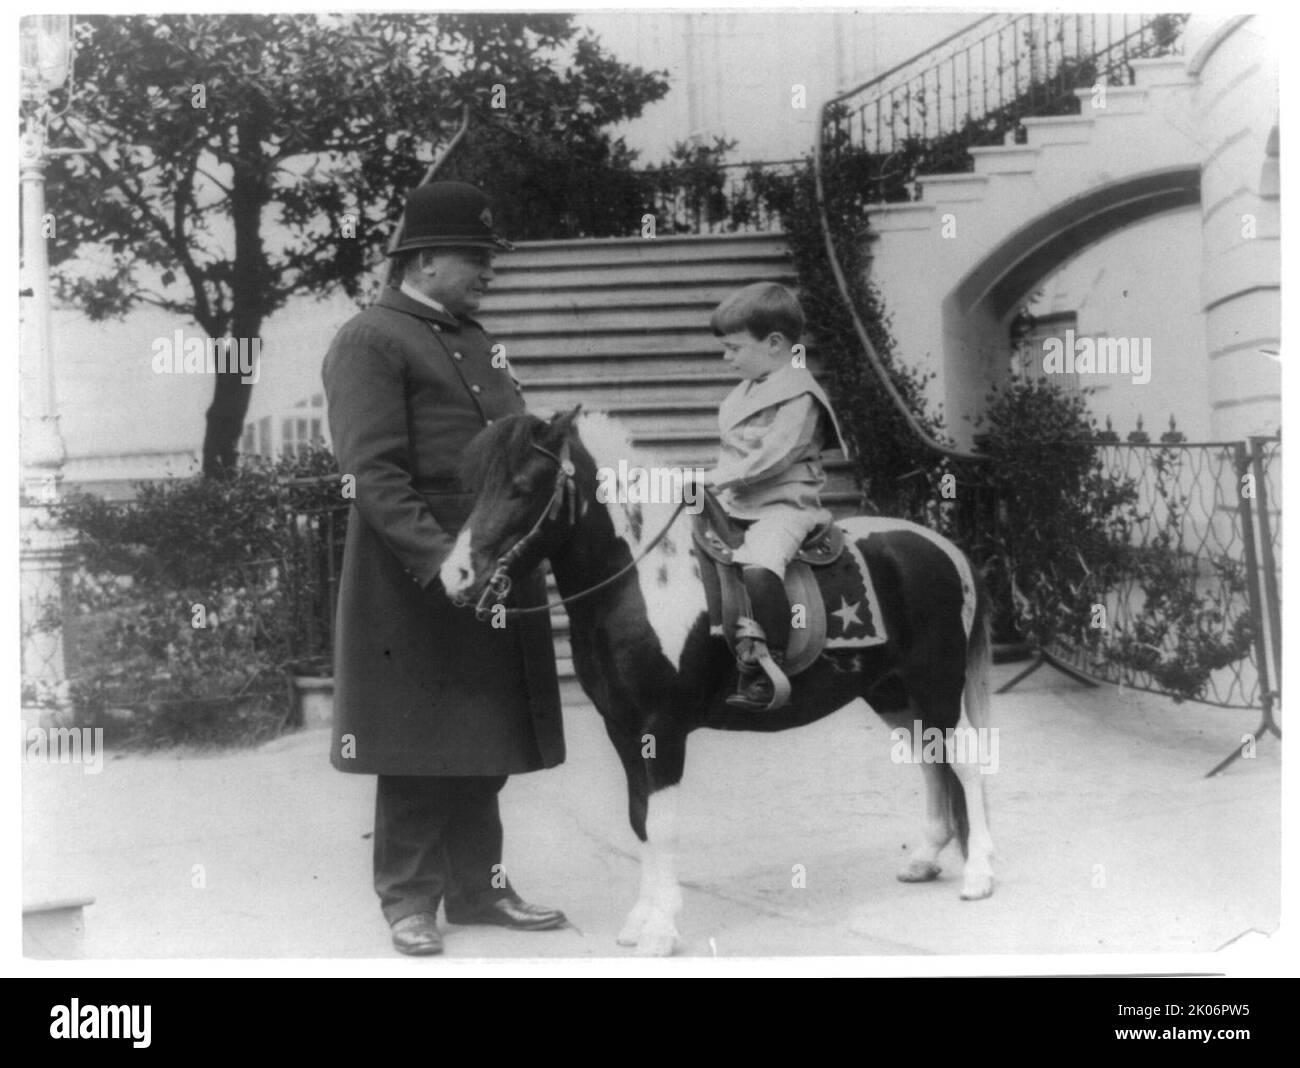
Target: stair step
(687,417)
(1046,130)
(686,380)
(667,437)
(626,250)
(887,218)
(589,298)
(571,695)
(614,396)
(1161,71)
(1120,100)
(682,317)
(513,279)
(661,350)
(1005,159)
(953,188)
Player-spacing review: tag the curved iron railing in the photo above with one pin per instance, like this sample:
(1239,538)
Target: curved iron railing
(902,112)
(974,87)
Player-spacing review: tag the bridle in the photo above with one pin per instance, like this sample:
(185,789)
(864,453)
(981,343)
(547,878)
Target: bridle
(490,601)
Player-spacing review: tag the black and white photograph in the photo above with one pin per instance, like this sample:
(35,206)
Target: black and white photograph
(784,491)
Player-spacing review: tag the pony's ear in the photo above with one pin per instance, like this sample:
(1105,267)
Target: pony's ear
(561,423)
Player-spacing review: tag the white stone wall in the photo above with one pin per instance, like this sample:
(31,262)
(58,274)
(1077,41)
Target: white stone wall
(732,72)
(1143,283)
(1236,68)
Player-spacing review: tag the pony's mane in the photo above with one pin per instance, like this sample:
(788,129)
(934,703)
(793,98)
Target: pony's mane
(493,457)
(668,575)
(604,439)
(608,444)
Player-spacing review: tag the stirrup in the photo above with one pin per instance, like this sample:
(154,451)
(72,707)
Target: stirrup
(749,634)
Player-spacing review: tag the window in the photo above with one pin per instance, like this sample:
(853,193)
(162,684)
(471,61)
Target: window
(1027,336)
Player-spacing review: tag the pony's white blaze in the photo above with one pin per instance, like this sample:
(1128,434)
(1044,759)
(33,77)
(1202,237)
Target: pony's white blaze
(864,526)
(669,576)
(457,571)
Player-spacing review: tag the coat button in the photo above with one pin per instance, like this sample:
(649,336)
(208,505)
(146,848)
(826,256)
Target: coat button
(457,356)
(477,389)
(489,422)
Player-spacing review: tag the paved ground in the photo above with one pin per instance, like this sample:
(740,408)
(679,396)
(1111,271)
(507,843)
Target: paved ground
(1109,840)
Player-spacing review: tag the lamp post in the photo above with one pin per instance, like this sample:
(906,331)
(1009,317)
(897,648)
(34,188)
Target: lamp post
(45,61)
(46,57)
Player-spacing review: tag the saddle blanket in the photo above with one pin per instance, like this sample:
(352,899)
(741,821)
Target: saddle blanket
(853,618)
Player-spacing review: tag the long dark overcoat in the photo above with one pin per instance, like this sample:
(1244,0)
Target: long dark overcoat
(421,687)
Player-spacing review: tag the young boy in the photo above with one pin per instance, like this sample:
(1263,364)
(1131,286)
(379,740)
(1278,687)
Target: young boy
(774,426)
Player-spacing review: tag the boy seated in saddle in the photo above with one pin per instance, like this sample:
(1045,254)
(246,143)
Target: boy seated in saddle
(774,425)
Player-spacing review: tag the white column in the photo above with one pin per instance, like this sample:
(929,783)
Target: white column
(1236,65)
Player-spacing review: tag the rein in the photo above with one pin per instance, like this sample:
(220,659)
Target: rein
(498,586)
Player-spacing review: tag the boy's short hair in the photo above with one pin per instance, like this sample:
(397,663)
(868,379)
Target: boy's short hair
(763,308)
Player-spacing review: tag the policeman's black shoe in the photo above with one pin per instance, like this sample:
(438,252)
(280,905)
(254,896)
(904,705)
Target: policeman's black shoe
(509,912)
(417,935)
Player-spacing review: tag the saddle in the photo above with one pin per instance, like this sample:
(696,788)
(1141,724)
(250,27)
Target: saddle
(716,537)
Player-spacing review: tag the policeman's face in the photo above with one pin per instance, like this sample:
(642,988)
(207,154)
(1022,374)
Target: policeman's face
(456,278)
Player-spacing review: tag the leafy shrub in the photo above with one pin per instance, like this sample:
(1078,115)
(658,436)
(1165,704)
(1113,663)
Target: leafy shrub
(180,612)
(1063,524)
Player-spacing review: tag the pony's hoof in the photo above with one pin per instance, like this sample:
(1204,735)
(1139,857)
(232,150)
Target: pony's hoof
(976,887)
(658,937)
(657,944)
(635,923)
(919,871)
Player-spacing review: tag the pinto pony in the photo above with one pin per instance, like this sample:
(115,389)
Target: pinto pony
(645,656)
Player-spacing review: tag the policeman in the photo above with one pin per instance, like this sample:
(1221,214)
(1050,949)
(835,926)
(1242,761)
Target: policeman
(440,707)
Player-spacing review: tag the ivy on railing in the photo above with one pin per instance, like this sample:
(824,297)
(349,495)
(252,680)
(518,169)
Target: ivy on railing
(1176,616)
(895,471)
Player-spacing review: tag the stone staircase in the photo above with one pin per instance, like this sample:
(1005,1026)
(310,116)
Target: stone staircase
(621,325)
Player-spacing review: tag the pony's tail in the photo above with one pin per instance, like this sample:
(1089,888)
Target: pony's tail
(979,659)
(975,697)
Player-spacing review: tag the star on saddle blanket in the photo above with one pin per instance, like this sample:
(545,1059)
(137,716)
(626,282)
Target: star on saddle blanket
(853,619)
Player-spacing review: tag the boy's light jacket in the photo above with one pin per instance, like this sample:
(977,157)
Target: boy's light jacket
(773,434)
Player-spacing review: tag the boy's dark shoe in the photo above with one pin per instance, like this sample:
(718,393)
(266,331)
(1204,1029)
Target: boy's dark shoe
(761,644)
(757,690)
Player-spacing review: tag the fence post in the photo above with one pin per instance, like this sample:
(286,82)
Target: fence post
(1273,602)
(1243,464)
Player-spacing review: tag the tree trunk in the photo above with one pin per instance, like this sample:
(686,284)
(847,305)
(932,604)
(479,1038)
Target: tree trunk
(249,194)
(225,424)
